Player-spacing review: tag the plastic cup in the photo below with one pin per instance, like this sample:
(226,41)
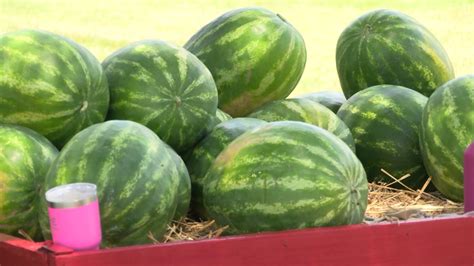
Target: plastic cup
(74,216)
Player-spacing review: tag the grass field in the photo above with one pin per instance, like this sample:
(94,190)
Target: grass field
(104,26)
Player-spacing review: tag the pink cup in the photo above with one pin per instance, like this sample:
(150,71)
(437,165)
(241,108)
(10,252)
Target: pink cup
(74,216)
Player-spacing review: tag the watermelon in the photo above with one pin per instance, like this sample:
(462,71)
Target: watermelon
(446,132)
(163,87)
(254,55)
(184,187)
(331,99)
(308,111)
(220,116)
(385,123)
(25,158)
(285,175)
(136,177)
(50,84)
(204,154)
(389,47)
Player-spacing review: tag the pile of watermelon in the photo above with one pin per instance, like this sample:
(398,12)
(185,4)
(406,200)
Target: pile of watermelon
(207,130)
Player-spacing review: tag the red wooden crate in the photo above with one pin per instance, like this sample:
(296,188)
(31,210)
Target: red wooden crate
(442,241)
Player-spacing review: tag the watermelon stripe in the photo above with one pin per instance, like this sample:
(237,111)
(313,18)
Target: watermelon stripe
(298,56)
(89,146)
(218,25)
(280,65)
(240,31)
(273,143)
(184,186)
(27,117)
(38,88)
(281,185)
(276,208)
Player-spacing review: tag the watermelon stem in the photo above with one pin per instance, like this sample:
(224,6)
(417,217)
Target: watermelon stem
(178,101)
(84,106)
(367,30)
(281,17)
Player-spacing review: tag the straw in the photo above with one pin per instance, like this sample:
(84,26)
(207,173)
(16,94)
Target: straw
(386,202)
(189,229)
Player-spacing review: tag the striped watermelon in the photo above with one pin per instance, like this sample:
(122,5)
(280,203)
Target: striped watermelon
(331,99)
(385,122)
(136,178)
(204,154)
(220,116)
(254,55)
(50,84)
(163,87)
(388,47)
(285,175)
(184,187)
(25,158)
(308,111)
(447,130)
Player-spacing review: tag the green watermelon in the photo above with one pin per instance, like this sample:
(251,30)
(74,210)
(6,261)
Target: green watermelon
(136,177)
(285,175)
(389,47)
(254,55)
(184,186)
(204,154)
(331,99)
(25,158)
(163,87)
(50,84)
(308,111)
(446,132)
(220,116)
(385,123)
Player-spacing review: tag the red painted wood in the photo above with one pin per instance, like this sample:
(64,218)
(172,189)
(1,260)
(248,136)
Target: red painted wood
(469,178)
(445,241)
(50,247)
(15,251)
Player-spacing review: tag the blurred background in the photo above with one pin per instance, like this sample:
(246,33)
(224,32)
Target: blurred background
(104,26)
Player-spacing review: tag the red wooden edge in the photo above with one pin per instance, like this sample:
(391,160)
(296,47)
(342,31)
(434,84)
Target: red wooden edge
(442,241)
(16,251)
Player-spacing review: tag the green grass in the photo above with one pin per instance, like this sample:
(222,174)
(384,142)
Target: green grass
(104,26)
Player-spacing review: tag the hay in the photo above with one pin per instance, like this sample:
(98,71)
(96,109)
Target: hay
(189,229)
(388,203)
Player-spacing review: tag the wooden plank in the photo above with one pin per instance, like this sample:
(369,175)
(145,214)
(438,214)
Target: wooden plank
(15,251)
(445,241)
